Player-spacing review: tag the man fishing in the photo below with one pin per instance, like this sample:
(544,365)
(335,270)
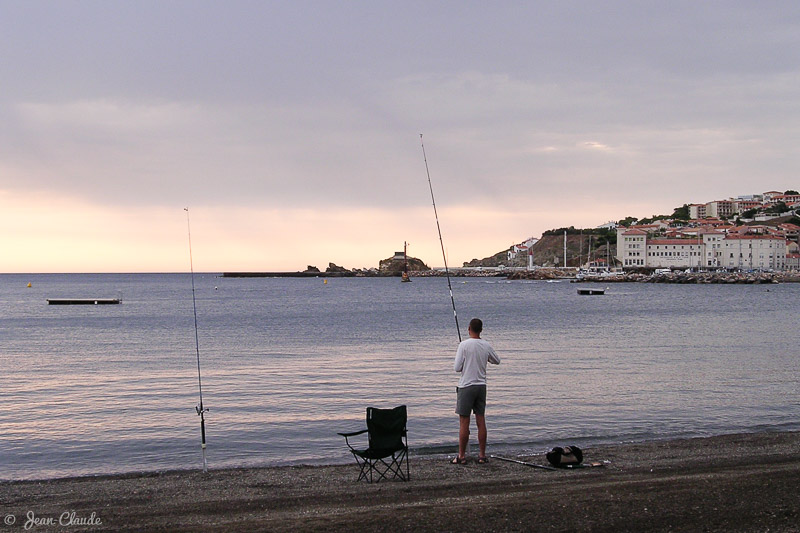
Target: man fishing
(471,359)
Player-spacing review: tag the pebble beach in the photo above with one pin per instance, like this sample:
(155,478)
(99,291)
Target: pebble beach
(743,482)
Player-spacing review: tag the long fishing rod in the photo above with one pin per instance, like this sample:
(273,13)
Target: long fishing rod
(199,408)
(532,465)
(438,227)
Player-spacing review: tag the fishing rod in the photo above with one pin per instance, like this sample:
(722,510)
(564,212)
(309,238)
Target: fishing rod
(532,465)
(199,408)
(438,227)
(545,467)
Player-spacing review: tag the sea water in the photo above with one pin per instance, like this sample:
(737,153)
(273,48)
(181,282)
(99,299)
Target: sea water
(287,363)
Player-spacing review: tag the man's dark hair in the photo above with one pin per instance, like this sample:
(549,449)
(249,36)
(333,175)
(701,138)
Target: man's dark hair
(476,325)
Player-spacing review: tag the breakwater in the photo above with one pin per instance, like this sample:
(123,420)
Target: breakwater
(288,274)
(550,273)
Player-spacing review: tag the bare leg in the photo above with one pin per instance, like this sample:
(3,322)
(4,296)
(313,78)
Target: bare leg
(480,421)
(463,435)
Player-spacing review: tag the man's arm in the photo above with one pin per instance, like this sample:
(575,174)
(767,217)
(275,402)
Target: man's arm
(493,357)
(459,364)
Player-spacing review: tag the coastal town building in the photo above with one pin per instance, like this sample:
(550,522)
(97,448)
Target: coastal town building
(736,206)
(746,205)
(609,225)
(759,247)
(697,211)
(721,208)
(709,240)
(769,195)
(632,247)
(522,249)
(754,251)
(791,231)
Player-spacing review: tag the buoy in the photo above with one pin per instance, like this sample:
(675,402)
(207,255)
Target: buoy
(29,284)
(325,282)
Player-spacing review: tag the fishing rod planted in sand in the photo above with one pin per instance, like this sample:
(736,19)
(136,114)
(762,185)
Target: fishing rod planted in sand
(199,408)
(438,227)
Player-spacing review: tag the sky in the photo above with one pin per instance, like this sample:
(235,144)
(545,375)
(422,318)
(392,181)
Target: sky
(291,130)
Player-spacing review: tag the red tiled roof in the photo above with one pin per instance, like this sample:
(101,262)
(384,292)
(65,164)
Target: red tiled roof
(672,242)
(750,236)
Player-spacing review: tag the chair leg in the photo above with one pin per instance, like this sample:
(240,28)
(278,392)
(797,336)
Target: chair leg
(374,470)
(395,467)
(366,468)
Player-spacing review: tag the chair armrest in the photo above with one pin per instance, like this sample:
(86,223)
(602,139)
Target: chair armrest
(345,435)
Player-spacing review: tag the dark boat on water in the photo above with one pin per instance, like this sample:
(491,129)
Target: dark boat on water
(591,292)
(83,301)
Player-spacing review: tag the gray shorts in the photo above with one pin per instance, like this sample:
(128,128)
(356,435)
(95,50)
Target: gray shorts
(469,399)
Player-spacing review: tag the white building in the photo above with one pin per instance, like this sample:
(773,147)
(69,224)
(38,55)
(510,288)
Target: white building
(632,247)
(674,253)
(754,251)
(697,211)
(609,225)
(711,249)
(522,249)
(721,208)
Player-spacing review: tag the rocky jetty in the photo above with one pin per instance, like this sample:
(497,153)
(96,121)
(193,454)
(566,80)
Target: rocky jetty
(544,274)
(671,277)
(712,277)
(702,277)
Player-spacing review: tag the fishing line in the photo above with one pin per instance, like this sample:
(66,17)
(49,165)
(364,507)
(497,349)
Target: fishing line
(438,227)
(199,408)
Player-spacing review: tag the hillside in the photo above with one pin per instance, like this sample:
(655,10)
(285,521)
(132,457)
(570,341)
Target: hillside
(549,251)
(500,258)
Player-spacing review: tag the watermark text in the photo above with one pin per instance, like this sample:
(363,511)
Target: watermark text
(65,519)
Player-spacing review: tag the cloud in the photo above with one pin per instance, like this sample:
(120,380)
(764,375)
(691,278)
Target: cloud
(592,145)
(312,111)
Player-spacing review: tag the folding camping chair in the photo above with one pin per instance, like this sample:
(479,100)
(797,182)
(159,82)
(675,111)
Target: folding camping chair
(388,445)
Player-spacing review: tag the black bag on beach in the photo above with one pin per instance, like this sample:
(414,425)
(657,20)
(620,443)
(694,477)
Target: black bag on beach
(564,457)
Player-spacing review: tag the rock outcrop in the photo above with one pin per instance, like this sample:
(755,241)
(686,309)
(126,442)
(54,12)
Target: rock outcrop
(394,265)
(335,269)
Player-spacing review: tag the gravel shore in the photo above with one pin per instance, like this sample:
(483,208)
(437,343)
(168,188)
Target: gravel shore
(747,482)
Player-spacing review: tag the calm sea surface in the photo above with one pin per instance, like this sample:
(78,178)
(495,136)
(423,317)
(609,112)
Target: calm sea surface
(287,363)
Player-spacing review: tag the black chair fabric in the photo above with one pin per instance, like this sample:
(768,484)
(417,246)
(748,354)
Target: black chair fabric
(388,445)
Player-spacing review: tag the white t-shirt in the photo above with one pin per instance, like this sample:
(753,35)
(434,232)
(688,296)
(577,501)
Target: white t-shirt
(471,359)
